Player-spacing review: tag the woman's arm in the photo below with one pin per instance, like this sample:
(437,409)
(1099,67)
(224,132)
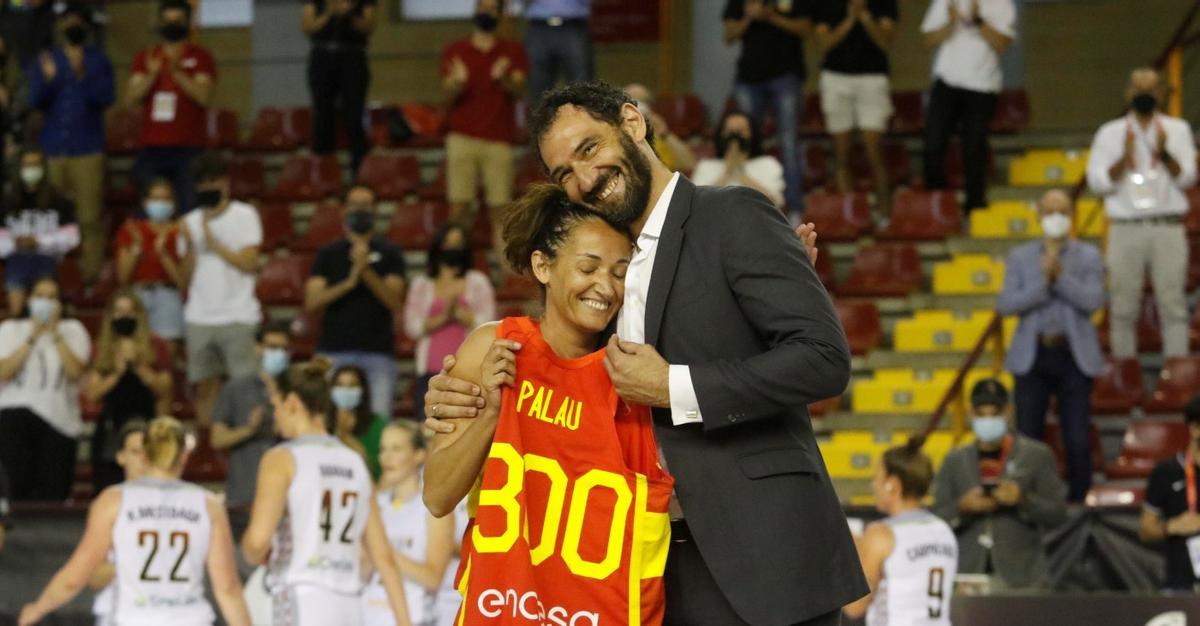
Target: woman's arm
(72,363)
(97,385)
(102,576)
(379,551)
(11,364)
(222,567)
(270,501)
(310,22)
(874,547)
(439,549)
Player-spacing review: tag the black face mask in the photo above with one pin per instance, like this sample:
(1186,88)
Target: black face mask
(173,31)
(75,34)
(1144,103)
(208,198)
(454,258)
(360,221)
(732,139)
(124,326)
(486,22)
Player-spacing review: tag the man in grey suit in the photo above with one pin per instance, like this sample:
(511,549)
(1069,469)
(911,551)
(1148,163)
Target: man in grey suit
(728,334)
(1055,285)
(999,494)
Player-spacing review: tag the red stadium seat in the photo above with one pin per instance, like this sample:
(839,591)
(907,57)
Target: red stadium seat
(412,225)
(281,280)
(123,130)
(427,123)
(70,280)
(299,125)
(529,172)
(247,179)
(481,231)
(221,129)
(121,196)
(97,295)
(923,215)
(92,320)
(435,190)
(812,118)
(308,179)
(1146,442)
(276,218)
(270,132)
(1149,331)
(378,132)
(895,158)
(817,166)
(908,112)
(325,227)
(1012,112)
(306,327)
(517,288)
(1193,269)
(824,268)
(1118,389)
(205,464)
(390,176)
(839,217)
(1177,384)
(861,322)
(1052,436)
(183,403)
(883,270)
(1194,331)
(1192,220)
(684,114)
(405,346)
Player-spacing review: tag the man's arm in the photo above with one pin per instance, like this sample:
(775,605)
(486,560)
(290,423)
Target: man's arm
(946,493)
(1106,160)
(874,547)
(198,87)
(388,289)
(994,38)
(881,30)
(365,21)
(318,293)
(1181,152)
(101,91)
(799,26)
(245,260)
(1019,295)
(734,29)
(1083,286)
(829,37)
(1046,504)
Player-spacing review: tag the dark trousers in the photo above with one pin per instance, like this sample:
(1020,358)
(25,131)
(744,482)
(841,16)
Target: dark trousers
(950,109)
(173,163)
(555,51)
(693,598)
(39,460)
(338,80)
(1055,373)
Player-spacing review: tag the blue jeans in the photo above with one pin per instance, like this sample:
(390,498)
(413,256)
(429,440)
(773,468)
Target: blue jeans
(555,50)
(380,369)
(783,95)
(172,163)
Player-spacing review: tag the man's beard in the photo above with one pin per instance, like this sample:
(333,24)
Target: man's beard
(637,187)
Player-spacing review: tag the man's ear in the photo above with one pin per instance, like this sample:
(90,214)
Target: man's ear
(633,122)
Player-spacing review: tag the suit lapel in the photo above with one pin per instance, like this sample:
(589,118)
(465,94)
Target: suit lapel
(666,257)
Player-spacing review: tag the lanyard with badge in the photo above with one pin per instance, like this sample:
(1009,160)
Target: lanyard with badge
(990,472)
(1143,186)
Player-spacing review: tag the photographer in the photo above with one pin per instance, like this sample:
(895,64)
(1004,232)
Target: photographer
(1000,494)
(741,160)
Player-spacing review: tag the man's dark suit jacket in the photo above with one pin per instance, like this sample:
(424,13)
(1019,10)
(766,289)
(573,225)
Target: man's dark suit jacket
(733,295)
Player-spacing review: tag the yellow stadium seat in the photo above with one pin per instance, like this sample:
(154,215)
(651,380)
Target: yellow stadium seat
(852,454)
(1085,224)
(1048,167)
(940,331)
(968,274)
(899,392)
(1006,219)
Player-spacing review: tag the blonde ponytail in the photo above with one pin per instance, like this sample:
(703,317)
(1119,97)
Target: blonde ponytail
(165,443)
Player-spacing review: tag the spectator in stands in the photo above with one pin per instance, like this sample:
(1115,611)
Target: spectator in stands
(39,229)
(173,83)
(358,282)
(243,420)
(28,27)
(129,378)
(771,71)
(354,423)
(970,36)
(42,357)
(5,504)
(338,72)
(673,151)
(1000,494)
(14,102)
(148,261)
(740,160)
(855,93)
(219,244)
(1141,163)
(483,78)
(1055,285)
(559,44)
(1170,514)
(445,304)
(72,86)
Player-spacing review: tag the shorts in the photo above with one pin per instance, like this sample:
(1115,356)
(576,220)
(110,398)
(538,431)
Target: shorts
(226,350)
(850,101)
(311,605)
(468,159)
(22,269)
(164,308)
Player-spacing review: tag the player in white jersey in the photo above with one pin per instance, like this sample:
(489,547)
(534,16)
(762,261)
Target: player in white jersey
(131,456)
(449,600)
(909,558)
(423,544)
(314,512)
(163,533)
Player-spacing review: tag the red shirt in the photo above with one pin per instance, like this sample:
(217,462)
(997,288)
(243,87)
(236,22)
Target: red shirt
(149,268)
(484,110)
(170,117)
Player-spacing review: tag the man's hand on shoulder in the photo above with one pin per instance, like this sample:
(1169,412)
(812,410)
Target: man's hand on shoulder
(807,233)
(639,373)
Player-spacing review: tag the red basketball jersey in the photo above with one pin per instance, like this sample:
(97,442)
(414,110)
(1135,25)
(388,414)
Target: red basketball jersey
(571,527)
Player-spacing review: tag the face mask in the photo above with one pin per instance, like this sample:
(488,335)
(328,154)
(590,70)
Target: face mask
(40,309)
(454,258)
(124,326)
(989,429)
(159,210)
(346,398)
(75,34)
(360,221)
(275,360)
(1144,103)
(208,198)
(173,31)
(1056,225)
(32,174)
(486,22)
(733,139)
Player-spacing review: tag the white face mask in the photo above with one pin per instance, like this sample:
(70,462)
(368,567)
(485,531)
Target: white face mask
(32,174)
(1056,225)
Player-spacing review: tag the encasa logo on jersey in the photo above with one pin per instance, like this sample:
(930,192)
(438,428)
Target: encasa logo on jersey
(566,413)
(494,603)
(317,561)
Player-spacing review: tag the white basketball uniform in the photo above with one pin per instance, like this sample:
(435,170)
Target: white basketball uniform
(918,577)
(407,525)
(449,600)
(315,571)
(160,546)
(105,601)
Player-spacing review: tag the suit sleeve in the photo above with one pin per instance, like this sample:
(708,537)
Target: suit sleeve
(946,493)
(806,358)
(1083,287)
(1046,504)
(1020,295)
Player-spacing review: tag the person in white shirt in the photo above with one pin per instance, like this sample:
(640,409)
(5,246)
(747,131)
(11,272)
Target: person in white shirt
(42,358)
(910,558)
(970,36)
(741,161)
(219,247)
(1141,163)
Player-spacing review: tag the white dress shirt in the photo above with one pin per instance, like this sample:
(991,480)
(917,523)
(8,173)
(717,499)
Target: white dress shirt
(1148,190)
(965,60)
(631,321)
